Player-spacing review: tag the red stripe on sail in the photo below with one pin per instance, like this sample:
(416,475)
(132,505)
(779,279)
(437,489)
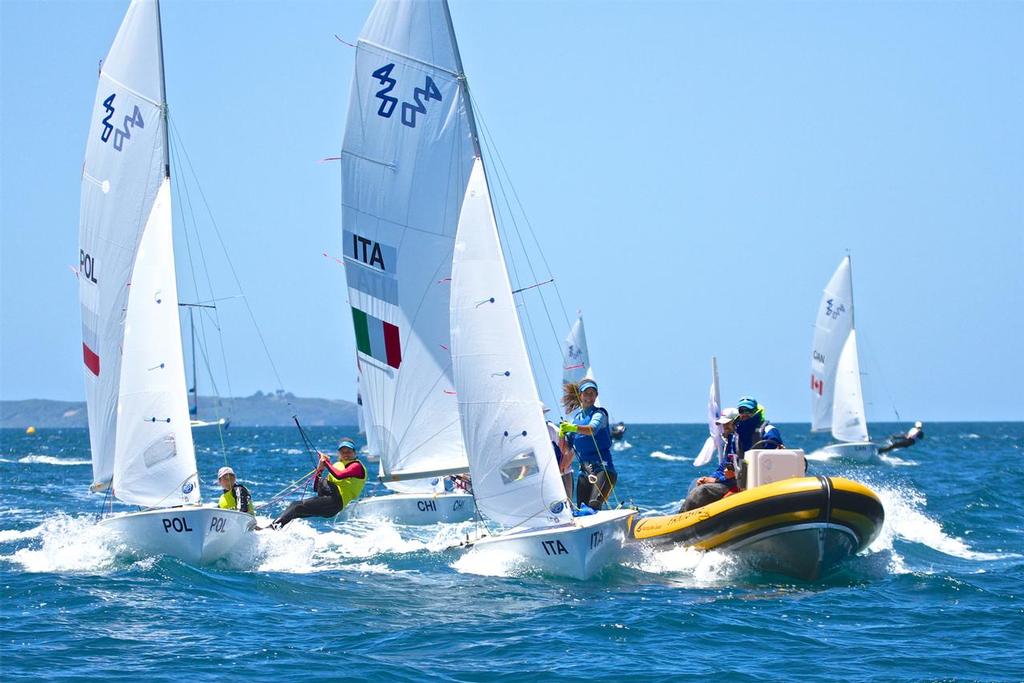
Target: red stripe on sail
(392,345)
(92,361)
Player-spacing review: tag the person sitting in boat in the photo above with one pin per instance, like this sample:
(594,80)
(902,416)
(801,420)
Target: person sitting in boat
(342,485)
(753,429)
(589,437)
(915,434)
(235,496)
(709,489)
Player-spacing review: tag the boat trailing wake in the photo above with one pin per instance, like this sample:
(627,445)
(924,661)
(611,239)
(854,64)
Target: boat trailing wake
(66,544)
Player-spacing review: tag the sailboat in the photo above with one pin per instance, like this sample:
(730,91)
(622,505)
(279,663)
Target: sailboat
(837,403)
(576,365)
(713,445)
(139,432)
(193,391)
(405,161)
(407,55)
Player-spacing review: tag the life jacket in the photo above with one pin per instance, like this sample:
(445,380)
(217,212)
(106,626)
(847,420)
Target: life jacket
(350,487)
(597,447)
(229,502)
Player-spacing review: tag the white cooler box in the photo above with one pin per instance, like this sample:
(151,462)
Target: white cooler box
(767,466)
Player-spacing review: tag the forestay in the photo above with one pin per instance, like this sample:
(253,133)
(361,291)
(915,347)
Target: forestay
(134,368)
(516,481)
(831,329)
(406,160)
(848,421)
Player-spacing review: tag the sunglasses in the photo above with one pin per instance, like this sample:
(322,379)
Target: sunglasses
(745,411)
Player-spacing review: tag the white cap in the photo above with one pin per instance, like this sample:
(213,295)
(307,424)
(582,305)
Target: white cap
(728,415)
(224,470)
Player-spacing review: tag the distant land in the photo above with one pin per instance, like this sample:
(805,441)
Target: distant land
(258,410)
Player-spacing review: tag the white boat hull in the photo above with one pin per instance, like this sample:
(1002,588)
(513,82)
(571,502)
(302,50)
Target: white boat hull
(197,535)
(854,451)
(415,508)
(220,422)
(578,550)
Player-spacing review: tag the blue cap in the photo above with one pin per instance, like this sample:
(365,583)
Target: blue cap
(587,384)
(747,402)
(346,443)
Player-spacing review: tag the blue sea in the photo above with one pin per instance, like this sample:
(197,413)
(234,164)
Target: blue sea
(938,596)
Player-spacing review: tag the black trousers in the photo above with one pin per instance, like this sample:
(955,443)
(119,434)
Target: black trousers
(594,495)
(702,494)
(327,503)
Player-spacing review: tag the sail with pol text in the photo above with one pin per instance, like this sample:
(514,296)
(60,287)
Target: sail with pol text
(139,429)
(406,159)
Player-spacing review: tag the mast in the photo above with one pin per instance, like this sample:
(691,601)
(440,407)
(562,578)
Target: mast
(163,95)
(853,321)
(195,377)
(463,83)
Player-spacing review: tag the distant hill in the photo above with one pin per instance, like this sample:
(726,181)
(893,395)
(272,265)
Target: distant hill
(258,410)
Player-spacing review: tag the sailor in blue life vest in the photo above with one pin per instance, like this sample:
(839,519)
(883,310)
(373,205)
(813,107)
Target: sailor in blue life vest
(753,429)
(589,437)
(706,490)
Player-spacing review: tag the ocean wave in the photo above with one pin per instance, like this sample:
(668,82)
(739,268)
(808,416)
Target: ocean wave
(659,455)
(51,460)
(69,544)
(621,445)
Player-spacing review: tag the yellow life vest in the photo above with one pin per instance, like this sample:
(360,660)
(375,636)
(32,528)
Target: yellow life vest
(228,502)
(349,487)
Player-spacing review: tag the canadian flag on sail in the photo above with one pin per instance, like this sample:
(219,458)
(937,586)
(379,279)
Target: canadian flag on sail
(817,385)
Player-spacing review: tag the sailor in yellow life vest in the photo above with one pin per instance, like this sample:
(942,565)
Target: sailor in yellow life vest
(342,485)
(235,496)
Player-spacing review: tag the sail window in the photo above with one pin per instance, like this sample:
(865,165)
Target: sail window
(160,450)
(519,467)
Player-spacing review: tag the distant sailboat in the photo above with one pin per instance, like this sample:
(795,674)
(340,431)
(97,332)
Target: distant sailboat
(193,390)
(139,432)
(576,365)
(714,444)
(405,161)
(837,400)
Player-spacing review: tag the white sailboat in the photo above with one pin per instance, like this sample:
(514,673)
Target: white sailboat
(405,162)
(193,409)
(139,432)
(837,402)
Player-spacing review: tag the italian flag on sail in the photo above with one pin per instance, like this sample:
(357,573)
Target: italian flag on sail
(376,338)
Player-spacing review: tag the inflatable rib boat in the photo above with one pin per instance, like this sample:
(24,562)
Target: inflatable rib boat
(803,527)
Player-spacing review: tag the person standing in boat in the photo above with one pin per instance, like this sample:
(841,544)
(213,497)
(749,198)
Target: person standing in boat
(589,437)
(342,484)
(709,489)
(915,434)
(235,496)
(753,429)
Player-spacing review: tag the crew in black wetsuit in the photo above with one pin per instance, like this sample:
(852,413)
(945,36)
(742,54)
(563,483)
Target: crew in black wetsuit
(342,485)
(907,440)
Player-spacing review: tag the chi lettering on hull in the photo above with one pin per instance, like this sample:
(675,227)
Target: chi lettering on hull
(178,524)
(596,539)
(554,548)
(427,505)
(217,524)
(87,266)
(458,505)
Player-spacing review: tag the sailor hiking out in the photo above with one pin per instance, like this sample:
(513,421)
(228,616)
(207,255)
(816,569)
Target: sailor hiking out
(342,485)
(913,435)
(588,436)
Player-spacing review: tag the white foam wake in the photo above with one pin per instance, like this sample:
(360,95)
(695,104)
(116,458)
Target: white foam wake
(67,544)
(659,455)
(51,460)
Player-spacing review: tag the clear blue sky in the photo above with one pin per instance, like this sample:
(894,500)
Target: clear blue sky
(694,171)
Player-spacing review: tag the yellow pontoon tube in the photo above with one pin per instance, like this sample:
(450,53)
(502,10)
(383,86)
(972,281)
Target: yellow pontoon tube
(803,527)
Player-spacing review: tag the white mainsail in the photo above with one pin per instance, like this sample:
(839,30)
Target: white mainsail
(837,402)
(134,378)
(714,443)
(575,356)
(848,421)
(831,328)
(516,481)
(406,159)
